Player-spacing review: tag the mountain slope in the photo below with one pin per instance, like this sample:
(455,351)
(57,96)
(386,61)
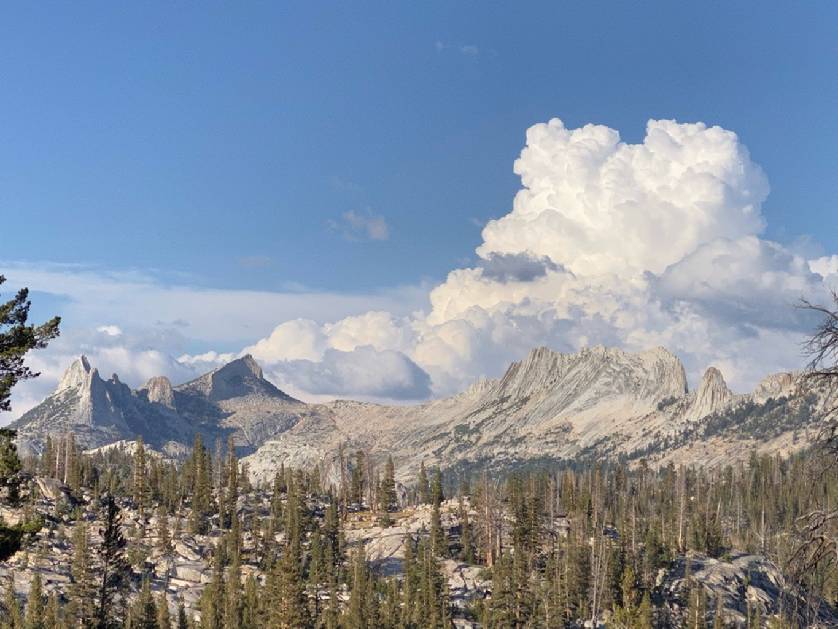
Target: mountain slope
(234,399)
(593,404)
(98,412)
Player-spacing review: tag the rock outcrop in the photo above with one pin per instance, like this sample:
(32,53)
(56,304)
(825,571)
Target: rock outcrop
(737,586)
(598,402)
(712,395)
(234,399)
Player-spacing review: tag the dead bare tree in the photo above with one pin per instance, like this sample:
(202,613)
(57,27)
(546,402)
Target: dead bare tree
(818,529)
(822,349)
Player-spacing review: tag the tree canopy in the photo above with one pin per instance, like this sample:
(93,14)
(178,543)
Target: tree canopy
(17,338)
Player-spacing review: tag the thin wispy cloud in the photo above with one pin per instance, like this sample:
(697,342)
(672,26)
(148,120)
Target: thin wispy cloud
(354,225)
(105,316)
(467,50)
(346,185)
(255,262)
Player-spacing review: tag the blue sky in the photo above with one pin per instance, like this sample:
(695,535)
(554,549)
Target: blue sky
(186,137)
(359,148)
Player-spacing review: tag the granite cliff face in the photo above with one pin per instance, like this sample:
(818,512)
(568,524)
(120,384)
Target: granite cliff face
(596,403)
(712,395)
(97,411)
(234,399)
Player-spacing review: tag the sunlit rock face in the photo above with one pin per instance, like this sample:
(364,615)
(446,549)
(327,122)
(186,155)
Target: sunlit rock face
(711,396)
(595,404)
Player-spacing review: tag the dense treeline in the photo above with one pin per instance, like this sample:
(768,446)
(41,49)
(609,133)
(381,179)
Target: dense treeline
(559,545)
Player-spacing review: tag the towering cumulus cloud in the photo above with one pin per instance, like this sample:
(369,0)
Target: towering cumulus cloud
(631,245)
(607,242)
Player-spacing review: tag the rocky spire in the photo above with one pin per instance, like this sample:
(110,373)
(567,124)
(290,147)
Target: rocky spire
(159,390)
(712,395)
(76,375)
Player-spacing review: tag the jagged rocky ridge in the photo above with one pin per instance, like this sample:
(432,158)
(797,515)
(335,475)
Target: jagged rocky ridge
(599,402)
(233,399)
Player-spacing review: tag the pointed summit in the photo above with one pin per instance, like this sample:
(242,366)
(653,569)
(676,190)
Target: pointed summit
(76,375)
(245,366)
(712,395)
(159,390)
(238,378)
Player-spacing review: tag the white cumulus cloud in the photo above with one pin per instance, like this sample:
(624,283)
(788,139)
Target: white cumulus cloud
(606,242)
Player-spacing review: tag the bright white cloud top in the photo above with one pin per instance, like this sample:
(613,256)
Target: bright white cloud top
(632,245)
(607,242)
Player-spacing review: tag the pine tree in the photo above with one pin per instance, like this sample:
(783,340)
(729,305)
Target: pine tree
(72,462)
(52,614)
(718,618)
(276,497)
(359,480)
(644,614)
(627,613)
(10,464)
(164,620)
(465,533)
(389,610)
(233,599)
(251,612)
(113,567)
(164,538)
(439,545)
(140,488)
(17,338)
(11,606)
(503,594)
(289,607)
(697,609)
(182,620)
(201,487)
(331,614)
(437,495)
(389,498)
(144,611)
(35,608)
(356,612)
(47,461)
(410,584)
(232,491)
(424,487)
(81,589)
(212,598)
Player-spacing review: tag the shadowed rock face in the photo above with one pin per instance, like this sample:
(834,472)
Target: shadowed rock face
(159,391)
(733,583)
(593,404)
(234,399)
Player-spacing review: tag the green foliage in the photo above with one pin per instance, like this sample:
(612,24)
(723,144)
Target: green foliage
(10,465)
(423,486)
(561,546)
(112,568)
(17,338)
(35,605)
(389,501)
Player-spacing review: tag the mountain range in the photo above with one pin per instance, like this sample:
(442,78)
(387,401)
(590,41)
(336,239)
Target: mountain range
(596,404)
